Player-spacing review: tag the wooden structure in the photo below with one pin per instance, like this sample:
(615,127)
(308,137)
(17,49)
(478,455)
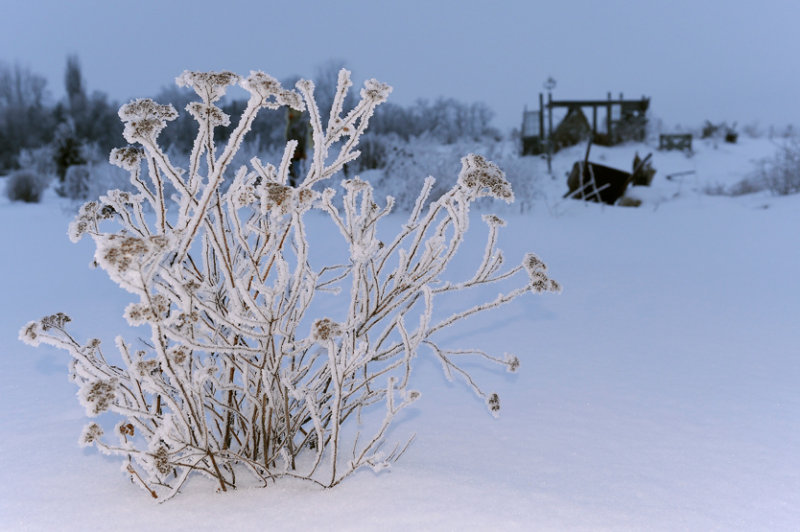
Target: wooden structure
(596,182)
(624,120)
(533,141)
(676,141)
(602,184)
(574,128)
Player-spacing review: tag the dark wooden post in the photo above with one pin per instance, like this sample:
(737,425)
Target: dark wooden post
(608,119)
(549,132)
(541,117)
(594,121)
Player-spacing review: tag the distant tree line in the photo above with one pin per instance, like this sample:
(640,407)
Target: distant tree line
(84,125)
(71,128)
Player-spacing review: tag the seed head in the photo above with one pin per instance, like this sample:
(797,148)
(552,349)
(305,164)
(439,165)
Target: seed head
(91,433)
(484,178)
(325,329)
(493,403)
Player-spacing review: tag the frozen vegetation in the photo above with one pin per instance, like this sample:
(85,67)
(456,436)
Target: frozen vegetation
(658,391)
(239,375)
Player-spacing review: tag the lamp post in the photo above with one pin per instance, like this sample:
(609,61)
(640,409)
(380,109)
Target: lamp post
(549,85)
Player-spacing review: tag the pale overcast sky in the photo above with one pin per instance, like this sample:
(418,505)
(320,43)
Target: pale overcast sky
(732,60)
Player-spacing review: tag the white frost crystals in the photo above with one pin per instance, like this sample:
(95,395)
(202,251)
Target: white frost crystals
(234,376)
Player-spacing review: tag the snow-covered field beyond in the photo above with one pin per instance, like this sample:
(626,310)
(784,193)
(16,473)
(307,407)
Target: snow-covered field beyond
(659,391)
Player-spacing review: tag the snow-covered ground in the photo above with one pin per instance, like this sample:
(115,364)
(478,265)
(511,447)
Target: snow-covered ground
(659,391)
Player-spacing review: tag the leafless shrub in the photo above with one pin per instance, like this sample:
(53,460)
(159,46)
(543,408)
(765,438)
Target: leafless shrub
(781,173)
(232,382)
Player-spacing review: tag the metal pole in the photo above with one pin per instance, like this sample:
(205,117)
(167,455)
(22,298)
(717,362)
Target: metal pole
(549,132)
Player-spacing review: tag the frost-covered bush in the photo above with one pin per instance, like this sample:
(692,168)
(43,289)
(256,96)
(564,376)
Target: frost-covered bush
(237,377)
(446,120)
(76,182)
(38,160)
(407,166)
(408,163)
(84,181)
(781,173)
(374,152)
(104,176)
(25,185)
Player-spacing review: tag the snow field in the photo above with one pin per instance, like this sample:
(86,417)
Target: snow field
(657,392)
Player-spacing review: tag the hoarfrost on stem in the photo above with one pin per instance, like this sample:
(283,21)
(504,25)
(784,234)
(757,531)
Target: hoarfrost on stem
(230,382)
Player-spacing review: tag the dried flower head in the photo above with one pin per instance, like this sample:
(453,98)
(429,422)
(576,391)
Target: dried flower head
(107,212)
(98,396)
(512,363)
(91,433)
(55,321)
(277,198)
(126,429)
(493,404)
(243,195)
(305,198)
(85,221)
(178,354)
(147,368)
(355,185)
(153,310)
(124,251)
(375,91)
(161,460)
(493,220)
(484,178)
(92,211)
(537,269)
(324,330)
(144,119)
(77,228)
(263,86)
(29,333)
(210,86)
(127,158)
(184,321)
(532,263)
(119,197)
(202,112)
(123,256)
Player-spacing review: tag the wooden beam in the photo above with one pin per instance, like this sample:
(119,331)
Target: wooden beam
(595,103)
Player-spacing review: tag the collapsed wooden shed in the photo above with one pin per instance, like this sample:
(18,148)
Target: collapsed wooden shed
(603,184)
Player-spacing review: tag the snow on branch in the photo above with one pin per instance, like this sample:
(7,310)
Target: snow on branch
(230,381)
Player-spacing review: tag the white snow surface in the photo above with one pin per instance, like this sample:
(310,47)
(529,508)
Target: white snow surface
(659,391)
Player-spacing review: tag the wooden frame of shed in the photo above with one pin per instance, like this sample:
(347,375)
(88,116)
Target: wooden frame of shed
(630,124)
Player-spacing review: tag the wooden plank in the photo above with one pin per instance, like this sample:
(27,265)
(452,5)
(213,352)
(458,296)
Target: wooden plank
(597,103)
